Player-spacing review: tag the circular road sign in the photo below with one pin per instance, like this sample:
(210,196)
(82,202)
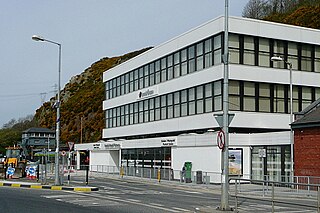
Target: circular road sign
(221,139)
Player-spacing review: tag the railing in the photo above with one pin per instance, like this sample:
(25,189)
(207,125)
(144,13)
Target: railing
(291,194)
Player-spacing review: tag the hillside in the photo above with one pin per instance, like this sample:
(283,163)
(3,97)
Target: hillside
(305,16)
(82,98)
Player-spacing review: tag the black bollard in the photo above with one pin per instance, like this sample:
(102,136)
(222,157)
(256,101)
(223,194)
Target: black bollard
(87,174)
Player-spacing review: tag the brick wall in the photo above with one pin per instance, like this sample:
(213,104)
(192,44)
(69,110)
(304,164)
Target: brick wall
(307,152)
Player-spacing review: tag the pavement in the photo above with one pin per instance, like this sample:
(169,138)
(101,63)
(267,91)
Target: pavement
(34,184)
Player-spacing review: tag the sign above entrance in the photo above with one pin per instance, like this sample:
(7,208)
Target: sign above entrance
(112,146)
(169,142)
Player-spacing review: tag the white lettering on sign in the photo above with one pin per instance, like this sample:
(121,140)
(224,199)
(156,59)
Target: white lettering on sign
(169,141)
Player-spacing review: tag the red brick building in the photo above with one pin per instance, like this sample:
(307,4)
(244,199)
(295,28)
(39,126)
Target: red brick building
(307,141)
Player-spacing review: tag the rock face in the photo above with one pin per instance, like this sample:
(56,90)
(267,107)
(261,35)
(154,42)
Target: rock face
(81,103)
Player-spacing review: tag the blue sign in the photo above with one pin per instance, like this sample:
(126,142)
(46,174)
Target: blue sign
(10,171)
(32,171)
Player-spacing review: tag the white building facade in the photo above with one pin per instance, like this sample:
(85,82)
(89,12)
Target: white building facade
(160,105)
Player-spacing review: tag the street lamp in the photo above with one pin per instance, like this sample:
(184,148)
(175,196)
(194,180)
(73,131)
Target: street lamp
(277,59)
(57,179)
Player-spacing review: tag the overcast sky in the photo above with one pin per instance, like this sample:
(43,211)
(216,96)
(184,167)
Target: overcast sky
(88,30)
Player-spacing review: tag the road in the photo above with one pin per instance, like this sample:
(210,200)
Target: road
(117,195)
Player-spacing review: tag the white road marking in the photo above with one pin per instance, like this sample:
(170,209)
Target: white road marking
(180,209)
(189,192)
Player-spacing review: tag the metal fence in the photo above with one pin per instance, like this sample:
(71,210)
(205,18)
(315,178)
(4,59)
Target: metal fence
(272,192)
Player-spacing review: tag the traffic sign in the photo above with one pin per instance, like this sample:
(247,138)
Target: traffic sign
(70,144)
(221,139)
(63,153)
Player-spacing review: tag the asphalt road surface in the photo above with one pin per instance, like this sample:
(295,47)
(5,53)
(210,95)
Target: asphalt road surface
(116,195)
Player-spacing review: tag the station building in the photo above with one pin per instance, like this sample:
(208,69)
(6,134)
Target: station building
(160,106)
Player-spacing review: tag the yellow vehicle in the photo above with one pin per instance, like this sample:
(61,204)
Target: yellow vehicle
(15,158)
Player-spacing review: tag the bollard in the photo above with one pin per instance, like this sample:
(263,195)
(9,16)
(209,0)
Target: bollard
(121,171)
(5,171)
(87,174)
(159,175)
(272,197)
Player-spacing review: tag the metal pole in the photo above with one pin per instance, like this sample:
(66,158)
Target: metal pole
(225,152)
(39,38)
(291,119)
(57,179)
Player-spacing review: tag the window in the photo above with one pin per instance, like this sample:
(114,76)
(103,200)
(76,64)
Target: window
(234,49)
(192,102)
(157,72)
(264,97)
(306,62)
(293,54)
(176,64)
(317,59)
(278,104)
(278,50)
(249,101)
(146,75)
(234,95)
(176,101)
(306,97)
(208,98)
(151,76)
(208,53)
(170,105)
(157,108)
(199,100)
(184,63)
(163,69)
(163,105)
(217,49)
(199,55)
(184,103)
(248,52)
(169,65)
(217,95)
(191,60)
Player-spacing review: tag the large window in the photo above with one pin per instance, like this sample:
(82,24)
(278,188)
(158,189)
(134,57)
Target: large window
(196,100)
(234,49)
(206,98)
(243,49)
(264,52)
(249,51)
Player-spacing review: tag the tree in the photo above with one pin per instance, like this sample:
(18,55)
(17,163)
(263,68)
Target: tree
(256,9)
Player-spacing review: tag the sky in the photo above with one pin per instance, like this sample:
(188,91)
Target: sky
(87,30)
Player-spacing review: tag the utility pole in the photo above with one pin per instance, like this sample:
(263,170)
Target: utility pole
(224,206)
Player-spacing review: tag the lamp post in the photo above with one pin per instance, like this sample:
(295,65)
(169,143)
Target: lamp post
(277,59)
(57,178)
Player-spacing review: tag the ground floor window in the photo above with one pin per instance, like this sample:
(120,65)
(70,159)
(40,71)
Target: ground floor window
(159,157)
(271,163)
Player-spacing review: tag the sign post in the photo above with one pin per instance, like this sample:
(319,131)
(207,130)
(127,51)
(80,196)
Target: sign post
(70,144)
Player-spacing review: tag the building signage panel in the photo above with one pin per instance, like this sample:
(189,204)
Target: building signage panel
(169,142)
(96,146)
(146,93)
(112,146)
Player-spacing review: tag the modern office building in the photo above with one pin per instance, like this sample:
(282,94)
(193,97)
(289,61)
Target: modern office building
(160,106)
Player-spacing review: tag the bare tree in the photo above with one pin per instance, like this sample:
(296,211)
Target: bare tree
(256,9)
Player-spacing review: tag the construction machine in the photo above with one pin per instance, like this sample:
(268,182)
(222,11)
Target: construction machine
(14,161)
